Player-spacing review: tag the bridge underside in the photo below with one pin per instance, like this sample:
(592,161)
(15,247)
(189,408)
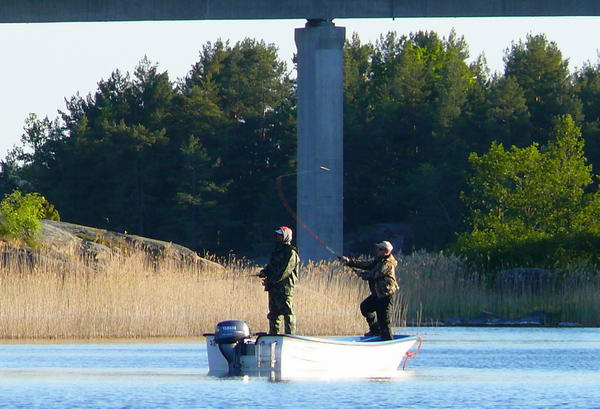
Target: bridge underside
(36,11)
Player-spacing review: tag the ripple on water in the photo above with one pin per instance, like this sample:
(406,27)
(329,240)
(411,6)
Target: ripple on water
(456,368)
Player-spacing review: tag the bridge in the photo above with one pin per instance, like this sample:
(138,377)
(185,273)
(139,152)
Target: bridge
(320,71)
(36,11)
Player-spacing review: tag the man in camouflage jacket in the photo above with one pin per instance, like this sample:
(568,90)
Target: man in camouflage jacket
(280,276)
(381,275)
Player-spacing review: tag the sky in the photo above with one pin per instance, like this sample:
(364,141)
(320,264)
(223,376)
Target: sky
(42,64)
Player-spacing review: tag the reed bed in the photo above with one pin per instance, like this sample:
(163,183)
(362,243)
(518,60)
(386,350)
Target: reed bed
(134,297)
(437,287)
(131,297)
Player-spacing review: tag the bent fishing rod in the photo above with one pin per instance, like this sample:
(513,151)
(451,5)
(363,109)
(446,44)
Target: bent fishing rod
(279,186)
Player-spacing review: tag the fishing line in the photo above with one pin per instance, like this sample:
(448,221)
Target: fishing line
(225,278)
(292,213)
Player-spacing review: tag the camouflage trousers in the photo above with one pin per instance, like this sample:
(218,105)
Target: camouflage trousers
(280,304)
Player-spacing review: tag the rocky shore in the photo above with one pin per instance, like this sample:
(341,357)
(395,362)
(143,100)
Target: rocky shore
(60,242)
(488,319)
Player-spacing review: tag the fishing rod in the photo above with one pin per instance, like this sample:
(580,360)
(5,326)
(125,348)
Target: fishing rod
(223,278)
(279,186)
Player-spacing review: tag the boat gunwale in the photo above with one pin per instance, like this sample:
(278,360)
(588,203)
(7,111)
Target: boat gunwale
(368,341)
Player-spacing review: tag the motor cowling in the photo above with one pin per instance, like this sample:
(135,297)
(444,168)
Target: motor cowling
(230,336)
(232,331)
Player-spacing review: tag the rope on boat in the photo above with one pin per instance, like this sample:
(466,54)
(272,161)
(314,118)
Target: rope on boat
(410,354)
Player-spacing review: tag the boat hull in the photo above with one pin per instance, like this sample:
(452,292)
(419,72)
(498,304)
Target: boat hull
(294,356)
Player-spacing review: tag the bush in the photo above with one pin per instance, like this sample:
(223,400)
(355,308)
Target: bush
(560,251)
(533,206)
(20,215)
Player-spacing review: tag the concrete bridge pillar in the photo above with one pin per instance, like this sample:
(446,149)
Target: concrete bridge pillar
(320,139)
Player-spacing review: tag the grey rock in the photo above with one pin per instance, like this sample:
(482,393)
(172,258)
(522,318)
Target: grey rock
(98,245)
(485,318)
(510,323)
(570,325)
(25,258)
(53,237)
(454,322)
(489,319)
(534,318)
(95,251)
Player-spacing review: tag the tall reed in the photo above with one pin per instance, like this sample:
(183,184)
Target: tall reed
(438,286)
(134,297)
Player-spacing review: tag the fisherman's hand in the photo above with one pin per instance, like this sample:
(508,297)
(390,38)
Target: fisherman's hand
(262,274)
(343,259)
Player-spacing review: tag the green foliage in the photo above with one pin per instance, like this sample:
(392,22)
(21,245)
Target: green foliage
(49,212)
(194,160)
(20,215)
(538,67)
(191,162)
(507,117)
(531,206)
(587,88)
(404,97)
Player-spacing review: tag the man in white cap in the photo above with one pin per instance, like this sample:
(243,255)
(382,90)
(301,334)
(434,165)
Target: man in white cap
(381,275)
(280,276)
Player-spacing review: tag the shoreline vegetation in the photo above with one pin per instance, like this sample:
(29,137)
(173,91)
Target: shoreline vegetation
(133,297)
(442,289)
(499,169)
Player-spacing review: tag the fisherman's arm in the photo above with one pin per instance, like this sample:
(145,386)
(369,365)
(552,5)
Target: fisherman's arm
(360,264)
(360,268)
(270,269)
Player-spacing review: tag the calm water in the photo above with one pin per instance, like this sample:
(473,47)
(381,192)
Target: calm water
(456,368)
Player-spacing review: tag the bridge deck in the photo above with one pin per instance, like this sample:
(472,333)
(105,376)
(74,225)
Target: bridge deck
(32,11)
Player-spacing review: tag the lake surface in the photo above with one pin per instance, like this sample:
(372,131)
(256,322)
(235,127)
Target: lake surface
(456,368)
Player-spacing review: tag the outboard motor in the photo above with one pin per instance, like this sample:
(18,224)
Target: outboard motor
(230,336)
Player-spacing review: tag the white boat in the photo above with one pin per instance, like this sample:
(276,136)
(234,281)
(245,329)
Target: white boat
(234,351)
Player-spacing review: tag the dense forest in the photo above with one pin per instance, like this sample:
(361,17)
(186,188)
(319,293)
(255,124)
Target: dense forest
(194,160)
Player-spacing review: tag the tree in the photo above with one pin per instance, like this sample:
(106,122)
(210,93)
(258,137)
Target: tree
(405,104)
(10,174)
(358,113)
(195,160)
(20,216)
(192,161)
(527,204)
(541,72)
(507,118)
(357,75)
(587,89)
(256,96)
